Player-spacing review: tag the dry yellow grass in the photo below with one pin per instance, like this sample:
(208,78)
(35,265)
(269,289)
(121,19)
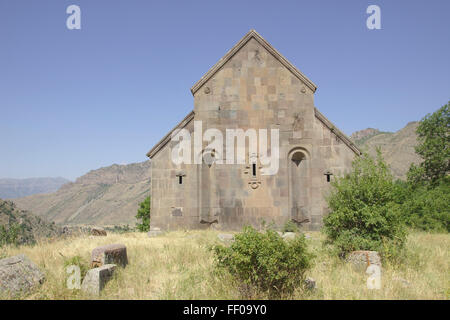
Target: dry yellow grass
(179,265)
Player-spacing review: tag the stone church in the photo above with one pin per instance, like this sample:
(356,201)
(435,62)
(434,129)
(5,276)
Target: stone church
(252,86)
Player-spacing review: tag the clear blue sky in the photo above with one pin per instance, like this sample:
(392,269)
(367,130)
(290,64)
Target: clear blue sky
(76,100)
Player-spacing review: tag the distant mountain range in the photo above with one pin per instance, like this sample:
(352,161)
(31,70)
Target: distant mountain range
(106,196)
(111,195)
(16,188)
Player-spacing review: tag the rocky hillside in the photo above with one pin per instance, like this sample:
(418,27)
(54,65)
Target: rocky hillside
(397,147)
(30,227)
(362,135)
(106,196)
(15,188)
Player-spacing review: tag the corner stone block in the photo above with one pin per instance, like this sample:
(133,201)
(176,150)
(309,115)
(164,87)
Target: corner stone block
(96,279)
(109,254)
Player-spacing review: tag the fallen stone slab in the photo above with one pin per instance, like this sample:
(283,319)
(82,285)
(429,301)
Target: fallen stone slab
(154,233)
(109,254)
(362,259)
(97,231)
(96,279)
(225,237)
(19,275)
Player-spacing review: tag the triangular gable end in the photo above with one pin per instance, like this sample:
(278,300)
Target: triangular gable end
(255,35)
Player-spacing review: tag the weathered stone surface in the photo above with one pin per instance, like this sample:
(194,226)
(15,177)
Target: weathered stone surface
(154,233)
(310,283)
(109,254)
(289,235)
(360,260)
(97,231)
(96,279)
(18,275)
(225,237)
(251,88)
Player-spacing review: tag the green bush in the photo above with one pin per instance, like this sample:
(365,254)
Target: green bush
(428,208)
(433,135)
(143,215)
(365,209)
(10,235)
(262,262)
(290,226)
(427,202)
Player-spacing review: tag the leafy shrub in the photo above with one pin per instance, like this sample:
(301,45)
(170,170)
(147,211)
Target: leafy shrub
(10,235)
(427,204)
(143,215)
(428,208)
(365,209)
(290,226)
(262,262)
(433,135)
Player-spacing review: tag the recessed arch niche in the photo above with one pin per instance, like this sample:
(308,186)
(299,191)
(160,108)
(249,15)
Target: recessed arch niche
(299,177)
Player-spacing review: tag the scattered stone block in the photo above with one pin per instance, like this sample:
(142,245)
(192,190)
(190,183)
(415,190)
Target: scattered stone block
(97,231)
(109,254)
(362,259)
(154,233)
(289,235)
(310,283)
(225,237)
(96,279)
(19,275)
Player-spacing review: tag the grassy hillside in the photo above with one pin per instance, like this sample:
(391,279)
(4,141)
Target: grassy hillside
(397,147)
(179,265)
(107,196)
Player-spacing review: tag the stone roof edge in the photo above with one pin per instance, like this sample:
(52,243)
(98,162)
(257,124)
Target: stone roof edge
(336,131)
(252,34)
(183,123)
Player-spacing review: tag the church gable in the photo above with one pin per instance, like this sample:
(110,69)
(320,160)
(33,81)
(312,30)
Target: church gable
(255,40)
(254,87)
(251,87)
